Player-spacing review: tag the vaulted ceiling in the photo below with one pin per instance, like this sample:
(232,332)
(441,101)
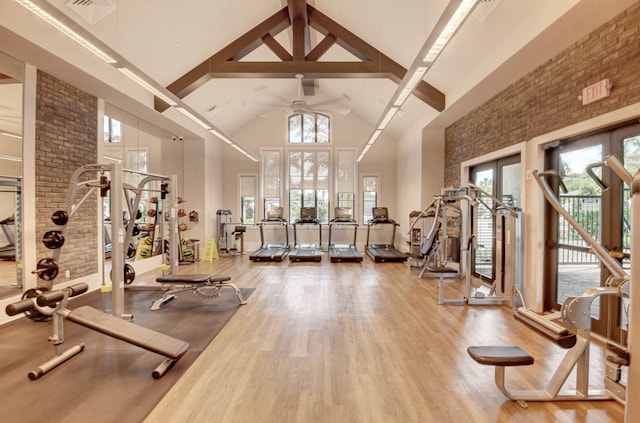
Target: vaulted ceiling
(237,61)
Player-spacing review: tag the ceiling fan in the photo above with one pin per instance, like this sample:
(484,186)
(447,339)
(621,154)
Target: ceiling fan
(299,105)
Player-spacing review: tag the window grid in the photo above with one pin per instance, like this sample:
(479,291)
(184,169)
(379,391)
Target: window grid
(309,128)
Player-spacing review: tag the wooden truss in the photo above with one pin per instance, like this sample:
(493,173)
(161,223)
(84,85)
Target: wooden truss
(304,59)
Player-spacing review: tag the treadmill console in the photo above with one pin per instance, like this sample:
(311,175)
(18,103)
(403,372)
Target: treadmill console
(343,214)
(274,215)
(308,215)
(380,215)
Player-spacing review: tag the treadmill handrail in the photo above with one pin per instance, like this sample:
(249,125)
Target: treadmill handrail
(280,220)
(343,222)
(377,221)
(307,222)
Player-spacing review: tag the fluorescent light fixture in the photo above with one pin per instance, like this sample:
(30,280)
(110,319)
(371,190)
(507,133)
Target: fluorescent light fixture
(374,137)
(9,134)
(194,118)
(137,76)
(387,118)
(454,17)
(449,30)
(230,142)
(147,86)
(66,30)
(411,84)
(220,135)
(364,151)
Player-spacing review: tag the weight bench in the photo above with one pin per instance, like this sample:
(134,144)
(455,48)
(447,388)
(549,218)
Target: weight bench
(445,275)
(205,285)
(501,357)
(54,303)
(575,311)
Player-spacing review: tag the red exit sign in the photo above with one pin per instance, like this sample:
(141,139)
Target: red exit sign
(597,91)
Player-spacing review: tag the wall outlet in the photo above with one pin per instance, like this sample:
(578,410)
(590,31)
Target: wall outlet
(67,273)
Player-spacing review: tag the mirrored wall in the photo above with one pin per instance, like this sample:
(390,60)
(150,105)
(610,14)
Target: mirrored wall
(11,99)
(147,153)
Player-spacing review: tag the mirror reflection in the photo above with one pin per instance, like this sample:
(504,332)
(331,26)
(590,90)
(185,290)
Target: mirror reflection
(10,174)
(145,151)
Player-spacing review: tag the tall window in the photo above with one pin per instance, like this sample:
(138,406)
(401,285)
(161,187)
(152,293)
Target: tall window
(308,128)
(369,196)
(112,130)
(271,180)
(309,183)
(248,199)
(346,178)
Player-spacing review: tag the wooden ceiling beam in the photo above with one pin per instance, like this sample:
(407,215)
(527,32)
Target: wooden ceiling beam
(238,49)
(291,68)
(322,47)
(277,48)
(304,60)
(301,38)
(366,52)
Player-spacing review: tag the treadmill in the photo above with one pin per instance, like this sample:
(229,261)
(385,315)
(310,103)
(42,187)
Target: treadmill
(383,252)
(306,251)
(272,251)
(343,222)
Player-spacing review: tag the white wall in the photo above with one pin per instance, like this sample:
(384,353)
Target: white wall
(408,184)
(351,132)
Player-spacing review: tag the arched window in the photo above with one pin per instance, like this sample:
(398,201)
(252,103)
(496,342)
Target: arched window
(309,128)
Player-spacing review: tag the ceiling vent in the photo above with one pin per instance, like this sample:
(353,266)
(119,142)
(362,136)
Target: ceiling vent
(91,10)
(484,8)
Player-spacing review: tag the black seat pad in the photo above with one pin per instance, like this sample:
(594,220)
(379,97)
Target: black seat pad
(500,356)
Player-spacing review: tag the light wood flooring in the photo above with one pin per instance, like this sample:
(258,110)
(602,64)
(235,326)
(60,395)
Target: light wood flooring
(362,342)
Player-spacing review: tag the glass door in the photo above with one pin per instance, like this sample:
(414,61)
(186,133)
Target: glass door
(484,224)
(603,213)
(500,179)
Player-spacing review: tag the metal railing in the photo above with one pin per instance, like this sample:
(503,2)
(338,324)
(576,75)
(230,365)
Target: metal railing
(586,210)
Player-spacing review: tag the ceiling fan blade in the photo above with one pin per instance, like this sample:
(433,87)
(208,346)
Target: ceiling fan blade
(343,99)
(272,94)
(343,112)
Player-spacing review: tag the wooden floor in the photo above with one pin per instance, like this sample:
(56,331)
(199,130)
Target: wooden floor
(365,342)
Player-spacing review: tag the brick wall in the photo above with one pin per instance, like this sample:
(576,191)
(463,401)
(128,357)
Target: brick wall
(66,134)
(546,99)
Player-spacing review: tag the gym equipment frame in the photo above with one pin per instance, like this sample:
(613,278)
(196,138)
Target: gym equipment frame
(383,252)
(575,313)
(54,304)
(343,222)
(306,251)
(272,251)
(455,217)
(204,285)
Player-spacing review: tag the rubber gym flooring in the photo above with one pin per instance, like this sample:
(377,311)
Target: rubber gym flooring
(110,380)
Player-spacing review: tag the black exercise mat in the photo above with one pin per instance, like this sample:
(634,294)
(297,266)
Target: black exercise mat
(110,381)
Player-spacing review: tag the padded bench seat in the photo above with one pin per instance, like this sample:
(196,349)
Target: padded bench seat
(171,348)
(203,284)
(129,332)
(500,355)
(191,279)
